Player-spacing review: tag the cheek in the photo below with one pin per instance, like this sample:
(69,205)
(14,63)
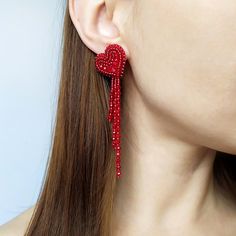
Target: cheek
(197,36)
(189,74)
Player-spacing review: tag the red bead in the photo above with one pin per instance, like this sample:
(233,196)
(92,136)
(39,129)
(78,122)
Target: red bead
(118,165)
(118,174)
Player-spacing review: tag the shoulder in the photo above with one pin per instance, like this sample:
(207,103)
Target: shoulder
(18,225)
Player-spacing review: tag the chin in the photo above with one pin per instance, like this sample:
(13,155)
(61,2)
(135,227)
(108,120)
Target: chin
(229,147)
(225,141)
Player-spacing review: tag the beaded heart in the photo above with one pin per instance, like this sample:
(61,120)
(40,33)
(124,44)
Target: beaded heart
(112,62)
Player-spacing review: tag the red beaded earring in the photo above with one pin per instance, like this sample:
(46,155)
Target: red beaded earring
(111,64)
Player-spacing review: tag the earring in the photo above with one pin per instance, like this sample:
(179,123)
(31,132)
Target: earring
(111,64)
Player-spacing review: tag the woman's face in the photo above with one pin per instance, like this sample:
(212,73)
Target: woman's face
(183,57)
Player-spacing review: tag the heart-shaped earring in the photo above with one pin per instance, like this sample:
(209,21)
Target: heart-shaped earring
(111,64)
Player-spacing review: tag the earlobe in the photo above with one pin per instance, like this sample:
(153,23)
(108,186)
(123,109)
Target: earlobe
(93,24)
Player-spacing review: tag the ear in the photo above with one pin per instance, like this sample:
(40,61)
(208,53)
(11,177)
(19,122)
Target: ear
(93,20)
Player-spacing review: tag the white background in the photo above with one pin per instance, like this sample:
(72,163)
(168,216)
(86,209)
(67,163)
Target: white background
(30,47)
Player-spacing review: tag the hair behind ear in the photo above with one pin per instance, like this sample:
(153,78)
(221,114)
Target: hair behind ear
(77,192)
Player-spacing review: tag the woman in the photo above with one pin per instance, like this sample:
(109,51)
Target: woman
(178,112)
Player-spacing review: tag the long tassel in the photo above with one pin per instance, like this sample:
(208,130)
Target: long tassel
(114,116)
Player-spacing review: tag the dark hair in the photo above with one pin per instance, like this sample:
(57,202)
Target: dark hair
(76,196)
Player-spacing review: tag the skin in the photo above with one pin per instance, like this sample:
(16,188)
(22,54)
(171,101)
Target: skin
(178,107)
(18,225)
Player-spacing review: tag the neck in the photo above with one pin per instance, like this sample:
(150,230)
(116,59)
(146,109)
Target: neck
(164,178)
